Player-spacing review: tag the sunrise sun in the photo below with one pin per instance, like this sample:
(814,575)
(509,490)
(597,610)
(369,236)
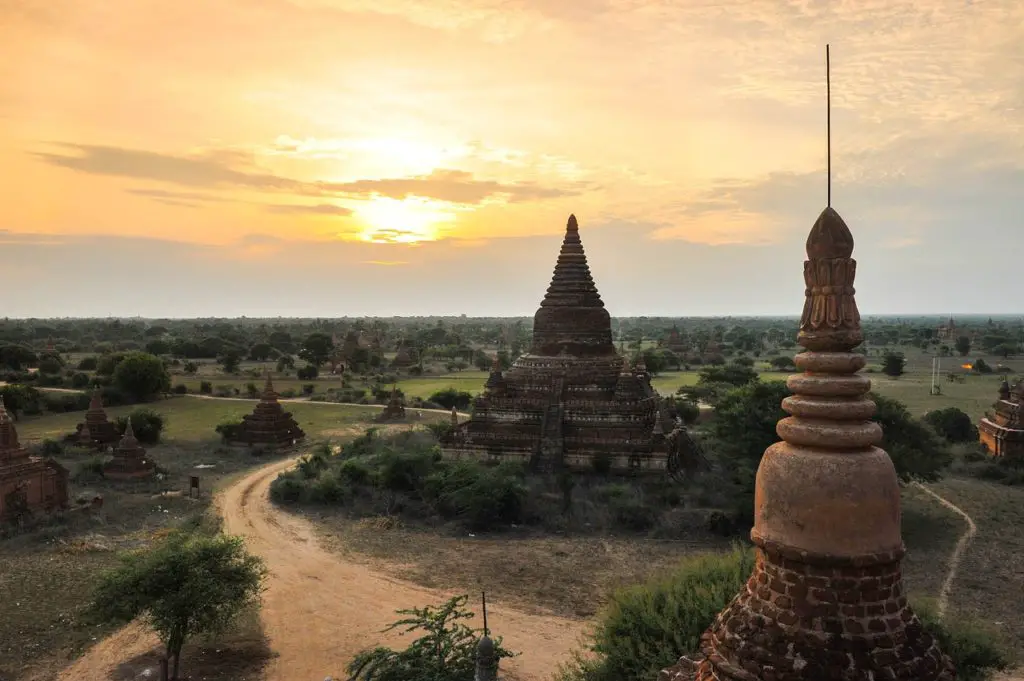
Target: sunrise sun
(408,220)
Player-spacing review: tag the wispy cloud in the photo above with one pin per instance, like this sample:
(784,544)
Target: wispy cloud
(302,209)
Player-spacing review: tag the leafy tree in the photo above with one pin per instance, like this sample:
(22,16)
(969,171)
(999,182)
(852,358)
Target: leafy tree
(230,361)
(317,349)
(146,424)
(187,585)
(50,364)
(261,352)
(953,424)
(88,363)
(1005,350)
(446,650)
(450,397)
(654,360)
(284,363)
(963,345)
(915,450)
(981,366)
(107,364)
(190,367)
(733,374)
(158,347)
(141,376)
(782,363)
(19,399)
(893,364)
(17,357)
(308,372)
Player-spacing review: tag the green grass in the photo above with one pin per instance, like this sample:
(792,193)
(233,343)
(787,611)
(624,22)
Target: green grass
(192,419)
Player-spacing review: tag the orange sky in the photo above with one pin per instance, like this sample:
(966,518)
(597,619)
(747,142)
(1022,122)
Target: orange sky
(447,139)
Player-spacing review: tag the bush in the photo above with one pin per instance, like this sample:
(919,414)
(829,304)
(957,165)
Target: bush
(80,381)
(64,402)
(146,424)
(648,627)
(446,650)
(141,376)
(450,397)
(180,389)
(205,387)
(307,373)
(228,429)
(308,389)
(953,424)
(88,363)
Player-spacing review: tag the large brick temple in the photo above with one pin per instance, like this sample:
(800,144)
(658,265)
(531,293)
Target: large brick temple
(28,484)
(1002,433)
(572,398)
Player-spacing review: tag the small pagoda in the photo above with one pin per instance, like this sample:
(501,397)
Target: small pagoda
(130,461)
(28,484)
(1002,433)
(269,425)
(96,431)
(572,398)
(394,410)
(405,357)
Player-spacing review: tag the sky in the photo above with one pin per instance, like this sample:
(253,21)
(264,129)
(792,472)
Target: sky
(417,157)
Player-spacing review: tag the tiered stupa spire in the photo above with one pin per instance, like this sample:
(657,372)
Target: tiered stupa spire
(269,424)
(96,430)
(27,483)
(10,448)
(130,461)
(572,319)
(826,598)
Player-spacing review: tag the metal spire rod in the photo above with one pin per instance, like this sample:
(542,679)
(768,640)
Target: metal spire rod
(483,598)
(828,122)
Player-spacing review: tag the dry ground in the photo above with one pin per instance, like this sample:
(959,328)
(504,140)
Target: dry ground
(46,576)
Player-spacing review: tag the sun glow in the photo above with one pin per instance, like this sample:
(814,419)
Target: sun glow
(388,221)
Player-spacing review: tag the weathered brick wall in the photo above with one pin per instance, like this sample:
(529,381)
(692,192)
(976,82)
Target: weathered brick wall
(829,620)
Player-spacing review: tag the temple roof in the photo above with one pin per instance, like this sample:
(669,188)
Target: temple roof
(571,284)
(572,319)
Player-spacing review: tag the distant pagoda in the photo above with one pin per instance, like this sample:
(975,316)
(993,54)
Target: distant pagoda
(28,484)
(394,410)
(269,424)
(405,357)
(572,399)
(96,430)
(130,461)
(1002,435)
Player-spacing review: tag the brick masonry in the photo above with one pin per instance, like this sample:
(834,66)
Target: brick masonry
(841,620)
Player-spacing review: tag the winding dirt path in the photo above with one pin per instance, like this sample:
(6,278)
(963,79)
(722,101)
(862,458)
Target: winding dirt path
(958,550)
(320,610)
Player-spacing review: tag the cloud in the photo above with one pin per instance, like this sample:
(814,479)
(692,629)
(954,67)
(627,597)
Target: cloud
(206,170)
(301,209)
(453,186)
(165,195)
(215,169)
(386,262)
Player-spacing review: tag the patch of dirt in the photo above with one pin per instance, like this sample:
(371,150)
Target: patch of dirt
(319,609)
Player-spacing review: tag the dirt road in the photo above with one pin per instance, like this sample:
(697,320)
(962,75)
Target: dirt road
(319,610)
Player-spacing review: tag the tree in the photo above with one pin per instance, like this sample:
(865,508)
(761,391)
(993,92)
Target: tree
(230,361)
(158,347)
(963,345)
(284,363)
(190,367)
(953,424)
(17,357)
(141,376)
(782,363)
(1004,350)
(146,424)
(445,652)
(893,364)
(261,352)
(317,349)
(308,372)
(187,585)
(50,364)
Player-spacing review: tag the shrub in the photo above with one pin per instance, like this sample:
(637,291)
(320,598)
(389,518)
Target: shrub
(971,646)
(450,397)
(205,387)
(88,363)
(80,381)
(307,373)
(446,650)
(141,376)
(180,389)
(308,389)
(146,424)
(228,429)
(51,447)
(953,424)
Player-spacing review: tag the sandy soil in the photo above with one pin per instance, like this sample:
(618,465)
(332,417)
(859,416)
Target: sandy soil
(319,610)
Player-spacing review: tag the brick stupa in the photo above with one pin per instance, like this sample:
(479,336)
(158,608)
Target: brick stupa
(130,461)
(394,410)
(571,398)
(826,598)
(28,484)
(269,425)
(1002,434)
(96,430)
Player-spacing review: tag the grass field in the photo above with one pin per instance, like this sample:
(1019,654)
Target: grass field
(46,577)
